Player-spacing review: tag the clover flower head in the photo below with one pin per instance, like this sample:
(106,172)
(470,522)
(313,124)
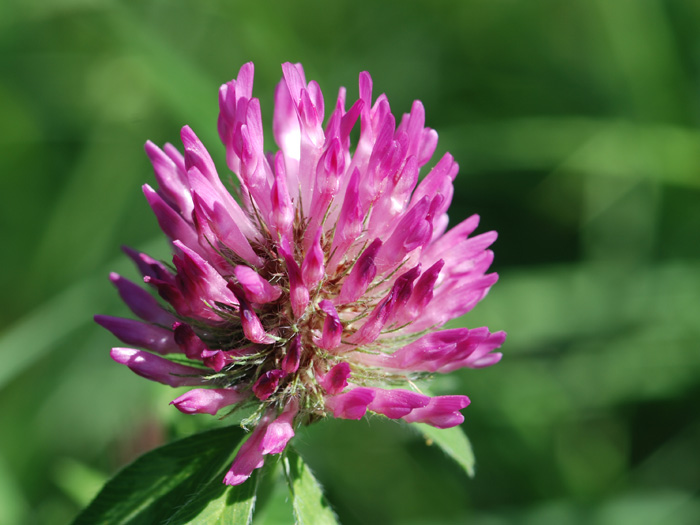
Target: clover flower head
(322,287)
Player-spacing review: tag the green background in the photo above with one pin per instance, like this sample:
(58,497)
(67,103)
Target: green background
(575,124)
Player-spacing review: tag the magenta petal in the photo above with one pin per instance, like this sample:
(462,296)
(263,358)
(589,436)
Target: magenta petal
(291,360)
(269,437)
(140,301)
(478,354)
(220,220)
(349,224)
(207,400)
(172,180)
(443,351)
(214,359)
(402,292)
(313,269)
(361,275)
(454,299)
(396,403)
(200,284)
(376,320)
(332,327)
(285,124)
(441,412)
(252,327)
(266,385)
(170,221)
(249,457)
(352,404)
(299,293)
(149,267)
(157,368)
(422,292)
(335,381)
(488,360)
(188,341)
(255,288)
(282,212)
(413,231)
(281,430)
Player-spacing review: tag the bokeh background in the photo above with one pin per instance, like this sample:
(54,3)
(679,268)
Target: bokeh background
(575,124)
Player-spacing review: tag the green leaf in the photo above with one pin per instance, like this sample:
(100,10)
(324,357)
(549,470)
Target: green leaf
(453,441)
(177,483)
(310,505)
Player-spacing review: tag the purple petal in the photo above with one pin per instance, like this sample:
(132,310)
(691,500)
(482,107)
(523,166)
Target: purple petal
(141,334)
(188,341)
(140,301)
(157,368)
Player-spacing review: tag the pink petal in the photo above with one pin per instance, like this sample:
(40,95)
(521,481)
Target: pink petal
(361,275)
(252,327)
(352,404)
(299,293)
(249,457)
(281,430)
(255,288)
(200,284)
(292,358)
(170,221)
(207,400)
(396,403)
(172,181)
(332,327)
(313,269)
(335,381)
(281,215)
(441,412)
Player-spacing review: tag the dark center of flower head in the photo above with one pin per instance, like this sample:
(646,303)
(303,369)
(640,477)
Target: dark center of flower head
(294,345)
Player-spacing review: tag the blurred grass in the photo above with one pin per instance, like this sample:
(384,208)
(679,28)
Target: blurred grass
(576,128)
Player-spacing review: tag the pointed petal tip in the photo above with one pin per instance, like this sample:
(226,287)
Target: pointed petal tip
(235,479)
(123,355)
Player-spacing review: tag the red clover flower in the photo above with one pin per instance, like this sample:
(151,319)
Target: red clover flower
(321,289)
